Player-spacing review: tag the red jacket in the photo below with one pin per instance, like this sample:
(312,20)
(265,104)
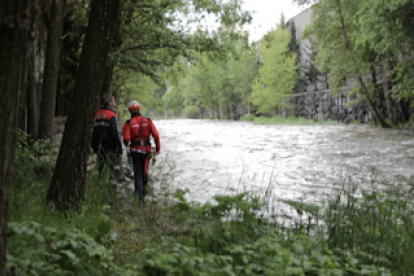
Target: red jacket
(138,133)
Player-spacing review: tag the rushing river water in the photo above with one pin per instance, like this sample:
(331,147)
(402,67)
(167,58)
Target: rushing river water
(304,163)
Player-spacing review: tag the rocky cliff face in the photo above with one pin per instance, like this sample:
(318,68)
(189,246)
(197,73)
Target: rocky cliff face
(323,106)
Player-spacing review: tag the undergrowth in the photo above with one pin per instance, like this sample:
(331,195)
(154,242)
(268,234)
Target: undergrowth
(291,120)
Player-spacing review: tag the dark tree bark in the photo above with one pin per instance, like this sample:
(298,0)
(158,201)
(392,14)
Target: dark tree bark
(36,55)
(51,75)
(69,64)
(115,45)
(109,71)
(16,22)
(387,96)
(68,182)
(33,98)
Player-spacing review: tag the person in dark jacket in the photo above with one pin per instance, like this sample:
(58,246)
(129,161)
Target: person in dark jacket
(137,133)
(105,139)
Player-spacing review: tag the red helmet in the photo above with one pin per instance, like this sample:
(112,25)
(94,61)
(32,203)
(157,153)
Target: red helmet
(134,106)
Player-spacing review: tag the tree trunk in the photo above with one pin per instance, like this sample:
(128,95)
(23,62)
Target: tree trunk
(33,97)
(106,87)
(69,64)
(68,182)
(34,79)
(387,96)
(51,75)
(235,113)
(60,101)
(377,115)
(116,43)
(404,109)
(15,27)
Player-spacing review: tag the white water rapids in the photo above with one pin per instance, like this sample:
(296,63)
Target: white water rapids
(306,163)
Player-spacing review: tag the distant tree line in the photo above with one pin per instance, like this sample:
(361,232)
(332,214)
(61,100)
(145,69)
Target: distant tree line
(368,42)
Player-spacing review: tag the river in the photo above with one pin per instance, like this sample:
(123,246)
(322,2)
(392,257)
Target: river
(304,163)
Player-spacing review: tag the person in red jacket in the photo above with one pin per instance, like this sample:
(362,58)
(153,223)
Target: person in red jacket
(137,132)
(105,139)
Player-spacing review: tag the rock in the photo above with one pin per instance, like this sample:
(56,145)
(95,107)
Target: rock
(349,119)
(57,139)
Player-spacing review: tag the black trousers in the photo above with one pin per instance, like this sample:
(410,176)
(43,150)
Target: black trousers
(141,179)
(109,160)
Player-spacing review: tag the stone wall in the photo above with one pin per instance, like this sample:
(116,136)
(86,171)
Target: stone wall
(323,106)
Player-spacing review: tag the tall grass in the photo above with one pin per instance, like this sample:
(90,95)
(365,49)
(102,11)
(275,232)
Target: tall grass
(291,120)
(377,224)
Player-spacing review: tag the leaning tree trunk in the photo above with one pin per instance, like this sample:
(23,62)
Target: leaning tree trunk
(16,21)
(51,75)
(68,182)
(377,115)
(387,94)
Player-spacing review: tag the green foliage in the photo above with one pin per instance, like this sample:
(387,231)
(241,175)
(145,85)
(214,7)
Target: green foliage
(386,27)
(247,118)
(38,153)
(354,38)
(32,168)
(191,111)
(376,224)
(174,101)
(267,256)
(35,249)
(230,238)
(218,84)
(154,34)
(333,56)
(43,241)
(277,74)
(139,87)
(291,120)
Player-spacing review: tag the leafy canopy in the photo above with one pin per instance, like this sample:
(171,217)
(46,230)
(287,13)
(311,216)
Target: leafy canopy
(277,76)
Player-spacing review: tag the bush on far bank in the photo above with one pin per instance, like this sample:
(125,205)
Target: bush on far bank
(192,112)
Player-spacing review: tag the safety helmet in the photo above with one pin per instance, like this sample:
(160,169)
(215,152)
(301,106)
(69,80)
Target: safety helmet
(134,106)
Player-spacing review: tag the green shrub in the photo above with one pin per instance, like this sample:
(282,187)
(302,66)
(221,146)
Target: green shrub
(291,120)
(230,238)
(34,249)
(247,118)
(191,111)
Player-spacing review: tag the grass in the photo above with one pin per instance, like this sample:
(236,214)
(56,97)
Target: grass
(291,120)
